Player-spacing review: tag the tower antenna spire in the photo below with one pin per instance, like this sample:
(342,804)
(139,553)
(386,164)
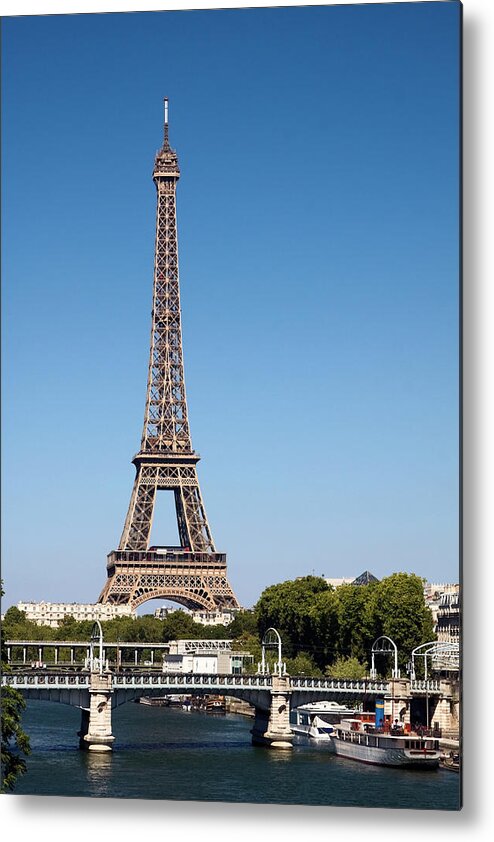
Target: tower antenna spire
(166,143)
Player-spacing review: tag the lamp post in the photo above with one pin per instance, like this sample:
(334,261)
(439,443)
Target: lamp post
(96,638)
(386,649)
(268,641)
(426,676)
(447,652)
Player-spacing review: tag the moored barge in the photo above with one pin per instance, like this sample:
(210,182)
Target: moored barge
(362,741)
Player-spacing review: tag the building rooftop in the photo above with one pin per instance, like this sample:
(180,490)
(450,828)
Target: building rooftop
(365,578)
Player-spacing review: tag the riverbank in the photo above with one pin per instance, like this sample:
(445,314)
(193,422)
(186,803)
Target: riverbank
(239,707)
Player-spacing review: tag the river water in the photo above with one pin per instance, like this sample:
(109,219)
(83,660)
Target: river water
(167,753)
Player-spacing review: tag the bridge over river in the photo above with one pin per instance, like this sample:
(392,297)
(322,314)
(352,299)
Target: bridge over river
(97,691)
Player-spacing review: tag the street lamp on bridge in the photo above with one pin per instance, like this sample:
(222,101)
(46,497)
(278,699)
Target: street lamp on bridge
(271,640)
(385,646)
(96,639)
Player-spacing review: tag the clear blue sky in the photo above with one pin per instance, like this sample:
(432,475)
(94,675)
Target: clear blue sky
(318,233)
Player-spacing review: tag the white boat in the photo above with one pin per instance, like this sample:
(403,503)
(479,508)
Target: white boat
(316,721)
(161,701)
(358,740)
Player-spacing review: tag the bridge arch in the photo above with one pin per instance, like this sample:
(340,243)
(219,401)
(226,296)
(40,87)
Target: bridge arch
(79,698)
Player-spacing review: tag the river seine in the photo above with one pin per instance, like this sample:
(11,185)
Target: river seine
(165,753)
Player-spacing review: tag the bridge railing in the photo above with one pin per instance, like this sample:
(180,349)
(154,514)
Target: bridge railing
(48,680)
(432,685)
(371,686)
(190,680)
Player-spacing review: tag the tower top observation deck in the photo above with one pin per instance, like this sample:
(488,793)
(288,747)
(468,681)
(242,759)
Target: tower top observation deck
(166,161)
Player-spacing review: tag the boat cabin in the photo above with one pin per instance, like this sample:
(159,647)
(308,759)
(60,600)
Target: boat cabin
(363,733)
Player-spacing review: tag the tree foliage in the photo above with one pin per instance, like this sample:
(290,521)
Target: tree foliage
(244,623)
(247,642)
(336,628)
(303,664)
(346,668)
(400,612)
(289,608)
(15,742)
(16,626)
(356,621)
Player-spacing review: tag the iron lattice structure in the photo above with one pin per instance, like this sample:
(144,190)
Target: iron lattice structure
(193,574)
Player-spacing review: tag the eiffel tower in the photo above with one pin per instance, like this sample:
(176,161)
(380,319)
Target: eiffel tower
(192,574)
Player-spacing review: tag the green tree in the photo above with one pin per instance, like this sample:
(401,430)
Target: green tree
(288,607)
(245,621)
(72,629)
(17,627)
(15,742)
(356,621)
(147,629)
(251,644)
(349,668)
(400,612)
(322,628)
(303,664)
(14,617)
(179,625)
(218,632)
(121,629)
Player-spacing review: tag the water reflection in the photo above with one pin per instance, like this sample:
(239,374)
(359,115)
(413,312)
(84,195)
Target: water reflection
(98,768)
(278,755)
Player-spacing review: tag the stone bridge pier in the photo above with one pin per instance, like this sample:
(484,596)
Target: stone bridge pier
(96,733)
(445,710)
(397,700)
(272,727)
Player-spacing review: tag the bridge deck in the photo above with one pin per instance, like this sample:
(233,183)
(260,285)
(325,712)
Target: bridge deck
(190,682)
